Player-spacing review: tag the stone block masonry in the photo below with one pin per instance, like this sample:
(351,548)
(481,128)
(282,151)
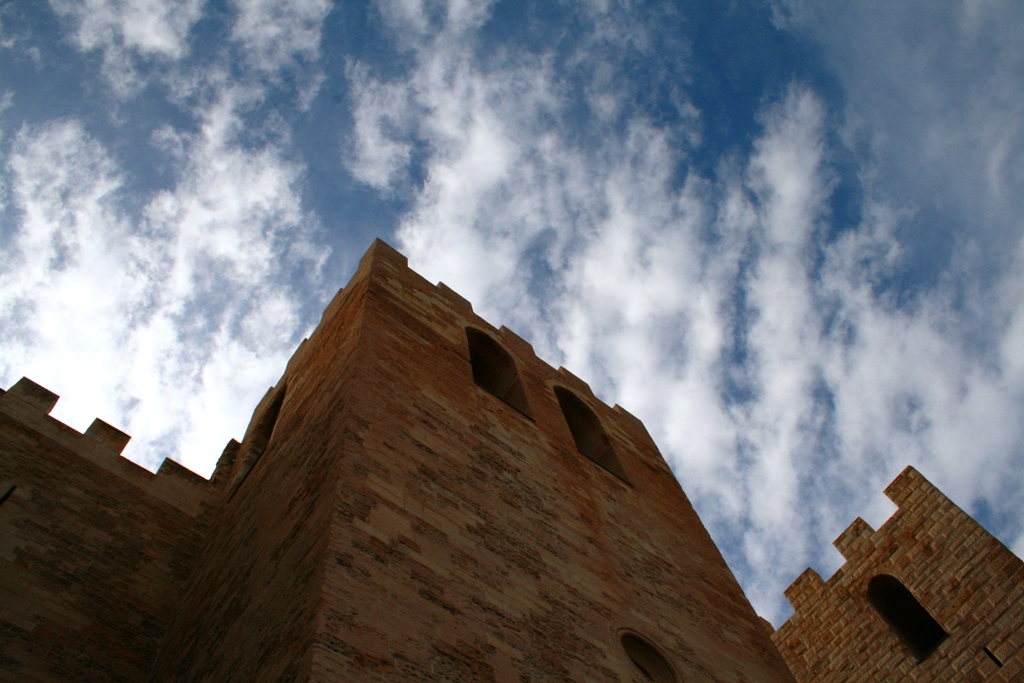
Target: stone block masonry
(94,550)
(386,517)
(930,596)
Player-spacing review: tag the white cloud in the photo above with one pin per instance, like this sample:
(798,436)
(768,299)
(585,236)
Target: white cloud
(935,112)
(275,33)
(126,29)
(415,21)
(786,170)
(58,275)
(778,427)
(189,302)
(152,27)
(382,130)
(273,36)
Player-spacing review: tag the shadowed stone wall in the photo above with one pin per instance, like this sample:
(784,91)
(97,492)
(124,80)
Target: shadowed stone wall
(94,550)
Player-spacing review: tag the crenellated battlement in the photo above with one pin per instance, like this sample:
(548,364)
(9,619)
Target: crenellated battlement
(805,588)
(102,444)
(912,494)
(94,549)
(911,489)
(929,553)
(390,269)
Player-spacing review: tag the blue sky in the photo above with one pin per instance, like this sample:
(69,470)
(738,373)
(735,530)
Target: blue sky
(786,235)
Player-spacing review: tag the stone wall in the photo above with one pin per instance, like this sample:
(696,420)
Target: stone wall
(94,550)
(964,577)
(250,611)
(472,542)
(384,518)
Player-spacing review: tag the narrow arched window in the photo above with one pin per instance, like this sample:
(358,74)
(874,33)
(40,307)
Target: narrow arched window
(259,440)
(495,371)
(590,437)
(646,658)
(905,615)
(265,427)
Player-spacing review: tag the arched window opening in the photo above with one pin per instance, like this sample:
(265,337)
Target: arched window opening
(645,657)
(590,437)
(265,427)
(259,440)
(495,371)
(905,615)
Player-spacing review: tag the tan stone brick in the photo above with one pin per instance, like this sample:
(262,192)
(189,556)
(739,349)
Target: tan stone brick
(383,518)
(971,584)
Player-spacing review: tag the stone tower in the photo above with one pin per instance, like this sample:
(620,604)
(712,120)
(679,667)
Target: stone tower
(419,498)
(930,596)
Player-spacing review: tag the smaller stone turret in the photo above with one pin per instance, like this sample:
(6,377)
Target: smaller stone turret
(930,596)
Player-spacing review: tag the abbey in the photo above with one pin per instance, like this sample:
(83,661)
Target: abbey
(420,498)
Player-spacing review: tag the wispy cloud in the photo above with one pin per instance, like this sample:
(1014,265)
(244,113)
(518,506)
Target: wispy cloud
(384,124)
(934,107)
(192,298)
(127,31)
(276,33)
(272,37)
(150,26)
(193,291)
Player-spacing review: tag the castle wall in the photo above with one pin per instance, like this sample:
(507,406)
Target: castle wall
(94,549)
(250,610)
(384,518)
(470,542)
(964,577)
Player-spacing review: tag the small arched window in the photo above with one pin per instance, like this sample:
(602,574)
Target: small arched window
(495,371)
(905,615)
(259,440)
(265,427)
(645,657)
(590,437)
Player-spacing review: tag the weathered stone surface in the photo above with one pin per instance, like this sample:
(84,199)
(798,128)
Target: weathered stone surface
(383,519)
(94,550)
(970,583)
